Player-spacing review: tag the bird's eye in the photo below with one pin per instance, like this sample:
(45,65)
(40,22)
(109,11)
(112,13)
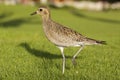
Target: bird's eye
(40,9)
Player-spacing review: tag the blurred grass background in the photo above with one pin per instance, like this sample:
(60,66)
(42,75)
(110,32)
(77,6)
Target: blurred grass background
(26,54)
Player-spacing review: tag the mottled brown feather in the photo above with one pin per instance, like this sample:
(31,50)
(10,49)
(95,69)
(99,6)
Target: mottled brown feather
(63,36)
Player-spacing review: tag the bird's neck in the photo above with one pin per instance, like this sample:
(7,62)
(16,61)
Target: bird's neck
(46,24)
(46,19)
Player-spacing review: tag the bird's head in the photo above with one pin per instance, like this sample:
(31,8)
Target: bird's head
(43,11)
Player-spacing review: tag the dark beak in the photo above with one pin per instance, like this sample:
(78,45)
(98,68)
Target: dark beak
(33,13)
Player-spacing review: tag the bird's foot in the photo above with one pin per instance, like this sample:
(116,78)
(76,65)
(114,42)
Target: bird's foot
(74,62)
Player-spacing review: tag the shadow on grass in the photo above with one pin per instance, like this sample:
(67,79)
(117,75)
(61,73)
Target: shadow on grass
(5,15)
(17,22)
(94,18)
(6,21)
(12,23)
(40,53)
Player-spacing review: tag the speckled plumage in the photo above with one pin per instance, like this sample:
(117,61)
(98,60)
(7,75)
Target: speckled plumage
(63,36)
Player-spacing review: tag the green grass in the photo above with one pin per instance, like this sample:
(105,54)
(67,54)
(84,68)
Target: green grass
(26,54)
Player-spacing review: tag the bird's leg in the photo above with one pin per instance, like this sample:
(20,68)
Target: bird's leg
(62,52)
(73,59)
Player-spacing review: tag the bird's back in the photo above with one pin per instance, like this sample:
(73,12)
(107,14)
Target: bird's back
(64,36)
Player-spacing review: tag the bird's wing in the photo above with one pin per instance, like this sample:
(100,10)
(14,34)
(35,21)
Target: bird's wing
(68,33)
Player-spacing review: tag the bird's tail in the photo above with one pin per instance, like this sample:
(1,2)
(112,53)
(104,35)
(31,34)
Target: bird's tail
(93,41)
(101,42)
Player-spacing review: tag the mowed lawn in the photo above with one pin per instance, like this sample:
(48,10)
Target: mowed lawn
(26,54)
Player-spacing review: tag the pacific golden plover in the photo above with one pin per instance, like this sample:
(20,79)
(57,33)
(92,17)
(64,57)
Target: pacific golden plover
(63,36)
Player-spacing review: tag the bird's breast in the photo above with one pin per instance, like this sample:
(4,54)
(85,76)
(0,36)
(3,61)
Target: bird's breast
(58,38)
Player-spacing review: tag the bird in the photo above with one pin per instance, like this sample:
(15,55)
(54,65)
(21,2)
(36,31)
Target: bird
(62,36)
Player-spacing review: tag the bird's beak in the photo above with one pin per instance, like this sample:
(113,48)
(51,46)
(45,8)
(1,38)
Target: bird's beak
(33,13)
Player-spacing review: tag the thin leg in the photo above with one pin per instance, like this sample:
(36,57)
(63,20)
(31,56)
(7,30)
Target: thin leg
(73,59)
(62,52)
